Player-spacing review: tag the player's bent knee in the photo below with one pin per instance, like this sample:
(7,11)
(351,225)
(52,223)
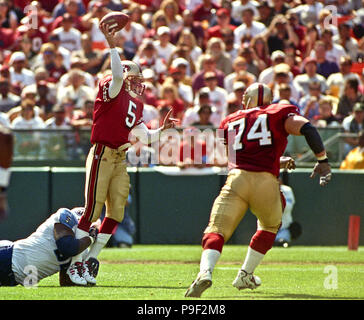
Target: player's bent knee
(262,241)
(213,241)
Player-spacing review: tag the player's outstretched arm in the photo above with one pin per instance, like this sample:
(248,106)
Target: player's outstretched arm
(148,136)
(298,125)
(115,61)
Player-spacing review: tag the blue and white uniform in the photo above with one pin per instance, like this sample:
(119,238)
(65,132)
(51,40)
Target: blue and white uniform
(37,252)
(283,232)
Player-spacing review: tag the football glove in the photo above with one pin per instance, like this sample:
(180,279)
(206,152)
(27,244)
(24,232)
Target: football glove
(323,169)
(93,232)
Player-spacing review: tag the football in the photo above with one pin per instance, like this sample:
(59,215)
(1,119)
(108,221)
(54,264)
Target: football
(115,20)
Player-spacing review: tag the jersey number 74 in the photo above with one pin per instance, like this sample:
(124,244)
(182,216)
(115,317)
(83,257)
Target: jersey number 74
(258,131)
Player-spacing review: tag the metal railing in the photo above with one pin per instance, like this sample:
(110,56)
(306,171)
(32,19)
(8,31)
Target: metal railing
(69,147)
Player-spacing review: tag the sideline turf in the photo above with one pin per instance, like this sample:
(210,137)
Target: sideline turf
(163,272)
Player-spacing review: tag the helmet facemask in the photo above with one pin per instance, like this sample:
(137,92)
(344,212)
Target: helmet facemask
(135,84)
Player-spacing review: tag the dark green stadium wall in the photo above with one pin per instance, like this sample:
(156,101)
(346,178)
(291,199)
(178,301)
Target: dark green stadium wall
(171,209)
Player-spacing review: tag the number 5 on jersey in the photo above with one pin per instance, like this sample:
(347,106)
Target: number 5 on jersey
(131,117)
(258,131)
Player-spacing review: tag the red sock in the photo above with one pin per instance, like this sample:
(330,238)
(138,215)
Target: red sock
(213,241)
(262,241)
(108,226)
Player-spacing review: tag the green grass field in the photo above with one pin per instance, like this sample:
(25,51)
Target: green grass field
(163,272)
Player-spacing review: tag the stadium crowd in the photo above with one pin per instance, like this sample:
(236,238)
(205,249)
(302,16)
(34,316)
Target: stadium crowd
(197,57)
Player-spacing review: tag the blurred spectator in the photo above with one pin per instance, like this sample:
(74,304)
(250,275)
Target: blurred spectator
(217,95)
(231,47)
(163,45)
(308,11)
(8,17)
(280,7)
(239,65)
(236,96)
(216,48)
(355,158)
(6,38)
(171,11)
(325,117)
(44,99)
(336,81)
(238,6)
(261,52)
(303,80)
(208,64)
(247,52)
(346,41)
(169,97)
(279,33)
(284,93)
(113,5)
(265,13)
(70,37)
(91,21)
(267,75)
(223,22)
(158,20)
(69,6)
(282,76)
(58,120)
(132,35)
(19,74)
(309,103)
(191,114)
(184,91)
(193,27)
(192,150)
(326,22)
(147,58)
(354,123)
(204,114)
(204,12)
(55,40)
(76,91)
(188,49)
(83,118)
(8,99)
(27,118)
(183,65)
(334,51)
(249,28)
(93,57)
(324,67)
(349,98)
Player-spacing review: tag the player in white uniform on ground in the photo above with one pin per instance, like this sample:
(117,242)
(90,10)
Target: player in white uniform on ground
(45,252)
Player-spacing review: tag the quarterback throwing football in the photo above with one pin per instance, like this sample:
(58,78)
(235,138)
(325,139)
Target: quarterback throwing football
(257,136)
(117,113)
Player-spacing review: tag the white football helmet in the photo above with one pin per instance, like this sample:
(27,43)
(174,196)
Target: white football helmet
(257,95)
(133,78)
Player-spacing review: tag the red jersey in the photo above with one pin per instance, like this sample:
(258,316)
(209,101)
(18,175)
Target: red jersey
(113,119)
(257,138)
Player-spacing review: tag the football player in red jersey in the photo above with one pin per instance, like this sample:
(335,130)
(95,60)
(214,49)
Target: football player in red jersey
(256,138)
(117,114)
(6,157)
